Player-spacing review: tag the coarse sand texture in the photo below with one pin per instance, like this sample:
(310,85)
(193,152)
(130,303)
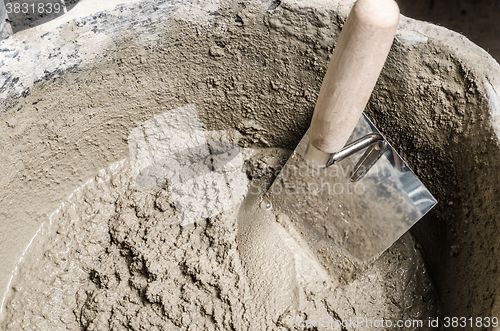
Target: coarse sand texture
(95,100)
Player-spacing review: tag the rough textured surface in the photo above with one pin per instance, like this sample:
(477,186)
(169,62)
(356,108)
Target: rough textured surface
(257,68)
(116,257)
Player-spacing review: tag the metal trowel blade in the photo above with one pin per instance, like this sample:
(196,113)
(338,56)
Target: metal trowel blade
(363,218)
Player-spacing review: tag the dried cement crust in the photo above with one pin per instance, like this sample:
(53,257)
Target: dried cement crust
(256,68)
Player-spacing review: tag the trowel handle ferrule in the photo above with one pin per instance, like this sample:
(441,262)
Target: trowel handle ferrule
(356,63)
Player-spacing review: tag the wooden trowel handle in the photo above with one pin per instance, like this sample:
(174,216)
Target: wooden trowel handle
(356,63)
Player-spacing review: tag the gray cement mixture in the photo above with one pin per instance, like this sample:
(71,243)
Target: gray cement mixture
(115,256)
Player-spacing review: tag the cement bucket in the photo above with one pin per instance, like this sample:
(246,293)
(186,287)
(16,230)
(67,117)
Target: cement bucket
(74,88)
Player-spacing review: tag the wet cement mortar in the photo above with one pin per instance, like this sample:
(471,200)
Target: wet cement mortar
(114,258)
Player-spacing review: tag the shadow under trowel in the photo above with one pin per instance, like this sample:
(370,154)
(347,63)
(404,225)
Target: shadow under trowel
(277,266)
(269,264)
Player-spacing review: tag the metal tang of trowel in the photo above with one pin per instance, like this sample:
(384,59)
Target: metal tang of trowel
(347,186)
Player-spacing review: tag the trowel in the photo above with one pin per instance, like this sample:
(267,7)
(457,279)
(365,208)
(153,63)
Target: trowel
(346,185)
